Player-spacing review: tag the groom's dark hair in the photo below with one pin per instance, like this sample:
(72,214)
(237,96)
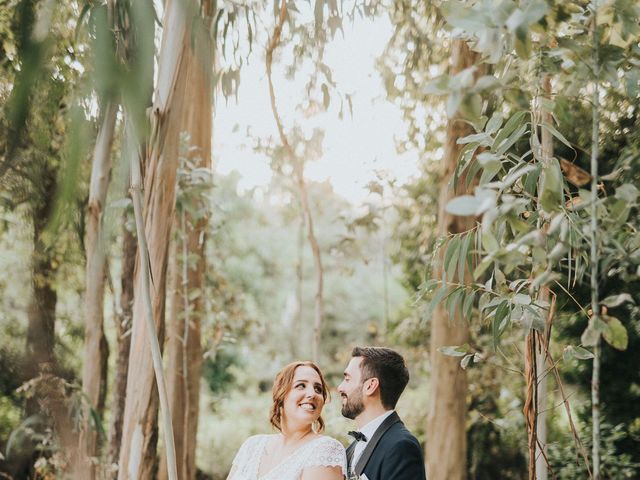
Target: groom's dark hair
(388,367)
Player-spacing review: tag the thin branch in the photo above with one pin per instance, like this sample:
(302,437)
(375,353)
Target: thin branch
(300,183)
(154,345)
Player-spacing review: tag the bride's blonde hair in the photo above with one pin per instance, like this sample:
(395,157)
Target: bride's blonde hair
(282,386)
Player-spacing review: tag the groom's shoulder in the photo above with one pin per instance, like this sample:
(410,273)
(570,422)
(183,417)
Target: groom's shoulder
(399,433)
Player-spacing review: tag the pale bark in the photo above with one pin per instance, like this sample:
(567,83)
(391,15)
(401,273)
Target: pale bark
(137,452)
(94,365)
(134,47)
(123,333)
(184,347)
(536,375)
(150,324)
(317,260)
(446,450)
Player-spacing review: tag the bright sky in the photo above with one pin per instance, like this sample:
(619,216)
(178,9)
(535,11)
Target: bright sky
(354,148)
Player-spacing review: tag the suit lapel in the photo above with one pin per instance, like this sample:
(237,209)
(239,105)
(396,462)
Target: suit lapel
(371,444)
(350,450)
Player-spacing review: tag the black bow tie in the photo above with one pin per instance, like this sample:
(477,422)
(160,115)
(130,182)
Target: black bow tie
(359,436)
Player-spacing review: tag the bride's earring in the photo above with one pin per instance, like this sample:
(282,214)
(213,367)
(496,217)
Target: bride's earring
(315,426)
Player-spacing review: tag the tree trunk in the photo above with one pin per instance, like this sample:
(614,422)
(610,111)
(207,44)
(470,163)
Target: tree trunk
(317,260)
(139,435)
(42,307)
(40,363)
(123,332)
(184,347)
(545,296)
(94,366)
(446,451)
(135,47)
(536,343)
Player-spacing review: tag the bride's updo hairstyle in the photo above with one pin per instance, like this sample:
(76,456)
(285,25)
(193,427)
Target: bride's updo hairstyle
(282,386)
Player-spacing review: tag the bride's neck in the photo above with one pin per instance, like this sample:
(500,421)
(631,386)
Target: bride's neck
(292,434)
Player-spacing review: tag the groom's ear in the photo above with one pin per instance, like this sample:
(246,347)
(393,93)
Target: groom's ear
(371,386)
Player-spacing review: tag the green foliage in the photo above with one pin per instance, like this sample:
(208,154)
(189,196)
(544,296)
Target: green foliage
(218,373)
(615,464)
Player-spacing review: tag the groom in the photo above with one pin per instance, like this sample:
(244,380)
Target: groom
(383,448)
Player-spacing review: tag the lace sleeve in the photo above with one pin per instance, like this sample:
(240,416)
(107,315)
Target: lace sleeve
(329,453)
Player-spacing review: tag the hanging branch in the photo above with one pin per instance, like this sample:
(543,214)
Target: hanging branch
(136,196)
(300,183)
(595,308)
(185,334)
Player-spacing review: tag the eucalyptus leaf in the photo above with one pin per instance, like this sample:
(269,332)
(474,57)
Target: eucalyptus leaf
(512,124)
(551,196)
(494,123)
(627,192)
(454,350)
(464,363)
(482,267)
(467,307)
(451,256)
(617,300)
(464,205)
(551,129)
(482,138)
(590,336)
(487,82)
(615,334)
(582,353)
(502,147)
(533,11)
(464,252)
(521,299)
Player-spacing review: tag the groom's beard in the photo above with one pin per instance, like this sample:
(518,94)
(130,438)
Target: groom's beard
(353,406)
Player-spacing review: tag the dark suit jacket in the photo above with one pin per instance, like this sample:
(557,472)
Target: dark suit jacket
(393,453)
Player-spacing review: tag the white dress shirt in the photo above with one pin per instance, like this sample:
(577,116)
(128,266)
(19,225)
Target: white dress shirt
(369,431)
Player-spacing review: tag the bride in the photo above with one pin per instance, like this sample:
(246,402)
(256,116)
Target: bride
(299,451)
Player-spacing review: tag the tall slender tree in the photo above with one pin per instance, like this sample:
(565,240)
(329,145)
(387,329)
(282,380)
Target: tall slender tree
(94,366)
(301,185)
(446,454)
(139,435)
(184,346)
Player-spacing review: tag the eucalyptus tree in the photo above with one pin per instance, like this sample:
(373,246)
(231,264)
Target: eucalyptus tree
(417,49)
(94,367)
(446,454)
(137,450)
(309,33)
(128,65)
(184,343)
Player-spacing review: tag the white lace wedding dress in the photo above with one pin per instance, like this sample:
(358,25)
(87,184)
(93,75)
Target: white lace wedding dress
(321,451)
